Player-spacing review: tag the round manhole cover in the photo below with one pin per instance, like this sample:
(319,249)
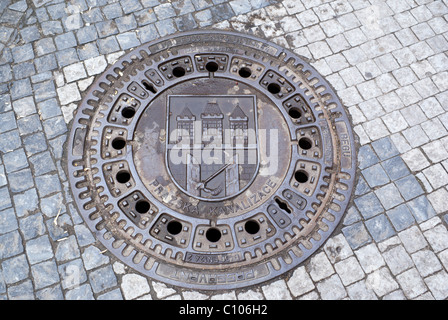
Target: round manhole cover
(211,160)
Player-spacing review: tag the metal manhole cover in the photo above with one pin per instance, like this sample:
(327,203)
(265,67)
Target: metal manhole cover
(211,160)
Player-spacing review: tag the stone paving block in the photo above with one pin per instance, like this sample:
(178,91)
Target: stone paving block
(47,184)
(415,160)
(438,285)
(436,175)
(300,282)
(381,282)
(84,235)
(276,291)
(87,51)
(337,249)
(93,258)
(83,292)
(72,274)
(134,286)
(102,279)
(20,181)
(362,187)
(86,34)
(50,293)
(112,11)
(92,15)
(74,72)
(395,168)
(331,288)
(8,221)
(400,217)
(111,295)
(32,226)
(389,196)
(438,200)
(15,160)
(66,57)
(45,274)
(128,40)
(356,235)
(15,269)
(29,124)
(411,283)
(437,237)
(22,53)
(369,205)
(351,216)
(359,291)
(67,249)
(349,271)
(46,63)
(398,260)
(34,143)
(320,267)
(166,27)
(426,262)
(366,157)
(412,239)
(42,163)
(22,291)
(380,228)
(38,250)
(409,187)
(421,209)
(370,258)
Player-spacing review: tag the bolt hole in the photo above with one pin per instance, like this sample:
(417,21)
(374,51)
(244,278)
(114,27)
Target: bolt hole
(128,112)
(283,205)
(123,176)
(213,235)
(252,227)
(174,227)
(149,86)
(178,72)
(301,176)
(305,143)
(142,206)
(118,143)
(274,88)
(245,72)
(294,113)
(212,66)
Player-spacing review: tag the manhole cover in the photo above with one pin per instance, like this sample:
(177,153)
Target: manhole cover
(211,160)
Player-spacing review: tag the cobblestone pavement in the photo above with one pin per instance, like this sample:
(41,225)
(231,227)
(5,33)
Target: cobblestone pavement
(387,61)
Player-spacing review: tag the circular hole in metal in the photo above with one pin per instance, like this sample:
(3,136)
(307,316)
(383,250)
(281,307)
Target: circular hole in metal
(174,227)
(178,72)
(294,113)
(212,66)
(142,206)
(213,235)
(301,176)
(274,88)
(245,72)
(305,143)
(118,143)
(123,176)
(252,227)
(128,112)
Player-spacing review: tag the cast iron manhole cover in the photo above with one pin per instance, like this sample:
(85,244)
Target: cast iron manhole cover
(211,160)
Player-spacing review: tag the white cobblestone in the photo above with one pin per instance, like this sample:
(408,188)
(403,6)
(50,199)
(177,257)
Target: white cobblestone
(370,258)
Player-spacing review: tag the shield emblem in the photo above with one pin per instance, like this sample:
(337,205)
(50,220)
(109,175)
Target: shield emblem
(212,144)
